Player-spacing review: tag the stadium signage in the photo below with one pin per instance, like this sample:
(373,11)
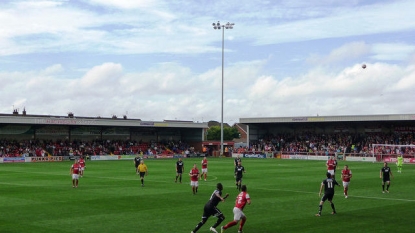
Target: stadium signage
(164,156)
(300,119)
(304,157)
(260,156)
(46,159)
(105,157)
(65,121)
(13,160)
(394,160)
(360,159)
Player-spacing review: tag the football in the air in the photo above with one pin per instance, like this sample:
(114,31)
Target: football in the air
(364,66)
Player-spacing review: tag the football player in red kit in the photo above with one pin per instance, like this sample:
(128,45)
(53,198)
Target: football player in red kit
(241,200)
(204,168)
(194,178)
(74,171)
(346,175)
(82,164)
(331,164)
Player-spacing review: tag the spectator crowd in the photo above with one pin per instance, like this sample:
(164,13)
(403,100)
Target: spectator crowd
(41,148)
(307,142)
(325,144)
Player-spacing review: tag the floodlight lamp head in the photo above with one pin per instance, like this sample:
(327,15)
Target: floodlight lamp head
(229,25)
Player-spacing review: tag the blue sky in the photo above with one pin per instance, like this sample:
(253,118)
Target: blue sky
(161,60)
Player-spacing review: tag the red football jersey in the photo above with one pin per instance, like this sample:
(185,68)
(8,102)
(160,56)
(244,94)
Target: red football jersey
(75,168)
(81,162)
(194,174)
(346,173)
(204,163)
(330,164)
(241,200)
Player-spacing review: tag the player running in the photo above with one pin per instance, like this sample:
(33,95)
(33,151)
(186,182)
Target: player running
(210,209)
(346,176)
(204,168)
(82,164)
(241,200)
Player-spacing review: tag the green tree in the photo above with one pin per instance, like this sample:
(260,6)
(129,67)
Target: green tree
(229,133)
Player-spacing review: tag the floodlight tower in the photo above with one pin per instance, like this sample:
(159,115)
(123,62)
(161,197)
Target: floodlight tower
(223,27)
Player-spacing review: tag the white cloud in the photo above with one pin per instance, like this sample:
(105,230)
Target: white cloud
(173,92)
(349,51)
(126,4)
(340,22)
(161,59)
(392,51)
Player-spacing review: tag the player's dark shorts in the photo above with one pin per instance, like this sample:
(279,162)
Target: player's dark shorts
(237,179)
(210,210)
(179,172)
(327,196)
(386,179)
(142,174)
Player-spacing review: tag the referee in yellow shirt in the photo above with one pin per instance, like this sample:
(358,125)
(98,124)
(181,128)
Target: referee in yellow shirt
(142,169)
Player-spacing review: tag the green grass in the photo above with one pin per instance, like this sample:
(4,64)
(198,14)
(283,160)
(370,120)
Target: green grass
(38,197)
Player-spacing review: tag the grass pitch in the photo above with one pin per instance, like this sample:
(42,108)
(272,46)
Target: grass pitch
(38,197)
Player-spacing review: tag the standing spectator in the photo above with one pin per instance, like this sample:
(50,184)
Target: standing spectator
(204,168)
(74,171)
(241,200)
(194,178)
(137,161)
(179,170)
(239,170)
(385,175)
(210,209)
(142,169)
(346,176)
(328,185)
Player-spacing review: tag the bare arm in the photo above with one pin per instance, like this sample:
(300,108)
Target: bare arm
(321,189)
(222,198)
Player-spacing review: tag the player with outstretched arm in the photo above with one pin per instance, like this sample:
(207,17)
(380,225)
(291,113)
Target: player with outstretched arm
(238,215)
(328,185)
(211,209)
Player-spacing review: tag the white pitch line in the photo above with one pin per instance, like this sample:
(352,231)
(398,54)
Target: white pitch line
(352,196)
(288,190)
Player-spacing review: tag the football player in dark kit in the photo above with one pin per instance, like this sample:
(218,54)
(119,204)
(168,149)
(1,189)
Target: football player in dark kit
(210,209)
(237,160)
(179,170)
(385,175)
(328,185)
(239,170)
(137,161)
